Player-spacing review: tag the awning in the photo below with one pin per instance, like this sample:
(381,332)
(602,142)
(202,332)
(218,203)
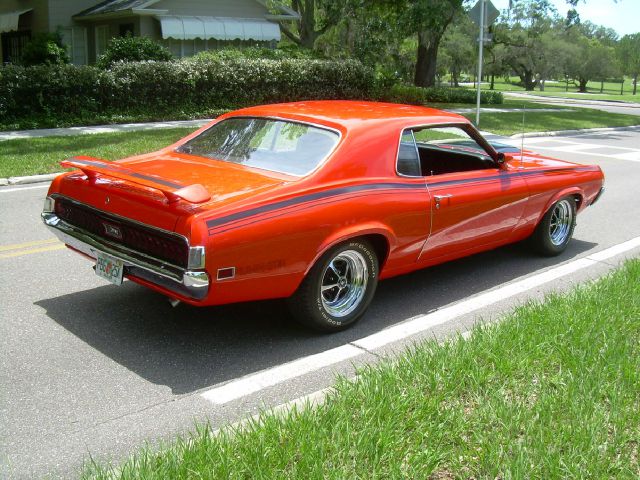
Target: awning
(219,28)
(9,21)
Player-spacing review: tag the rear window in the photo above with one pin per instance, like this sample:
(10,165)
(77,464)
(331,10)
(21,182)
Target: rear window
(281,146)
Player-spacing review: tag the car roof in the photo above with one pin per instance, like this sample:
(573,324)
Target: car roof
(351,114)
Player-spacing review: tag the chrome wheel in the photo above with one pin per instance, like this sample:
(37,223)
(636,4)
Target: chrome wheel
(344,283)
(561,222)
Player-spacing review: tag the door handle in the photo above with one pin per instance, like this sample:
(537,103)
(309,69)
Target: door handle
(439,198)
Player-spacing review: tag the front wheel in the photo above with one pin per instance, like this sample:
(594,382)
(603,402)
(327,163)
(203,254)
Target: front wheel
(554,231)
(338,288)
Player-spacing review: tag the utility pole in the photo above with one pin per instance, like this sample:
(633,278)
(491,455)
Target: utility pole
(480,51)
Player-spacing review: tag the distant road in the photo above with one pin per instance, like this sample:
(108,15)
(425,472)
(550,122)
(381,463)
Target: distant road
(604,105)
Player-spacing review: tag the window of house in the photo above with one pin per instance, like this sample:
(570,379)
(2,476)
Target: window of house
(102,37)
(125,29)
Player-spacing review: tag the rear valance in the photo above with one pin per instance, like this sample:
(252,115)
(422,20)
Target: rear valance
(174,191)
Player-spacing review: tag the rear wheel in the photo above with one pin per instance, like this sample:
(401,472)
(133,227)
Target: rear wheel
(554,231)
(338,288)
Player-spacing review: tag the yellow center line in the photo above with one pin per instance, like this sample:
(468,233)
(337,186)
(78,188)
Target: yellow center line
(19,246)
(32,250)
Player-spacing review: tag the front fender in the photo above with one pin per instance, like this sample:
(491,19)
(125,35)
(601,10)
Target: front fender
(351,232)
(576,191)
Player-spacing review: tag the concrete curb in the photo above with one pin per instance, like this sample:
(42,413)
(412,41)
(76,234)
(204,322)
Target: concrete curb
(575,132)
(49,177)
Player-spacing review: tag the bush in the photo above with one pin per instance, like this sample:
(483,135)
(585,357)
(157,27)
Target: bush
(257,53)
(173,89)
(44,49)
(420,96)
(132,49)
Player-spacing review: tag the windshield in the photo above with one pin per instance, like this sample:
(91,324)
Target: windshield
(277,145)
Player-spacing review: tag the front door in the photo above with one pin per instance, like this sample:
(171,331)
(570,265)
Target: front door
(475,203)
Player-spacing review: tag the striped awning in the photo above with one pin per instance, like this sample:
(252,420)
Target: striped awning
(219,28)
(9,21)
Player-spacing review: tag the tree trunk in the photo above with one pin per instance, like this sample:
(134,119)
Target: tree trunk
(455,74)
(582,85)
(601,86)
(528,80)
(635,83)
(493,81)
(622,87)
(425,75)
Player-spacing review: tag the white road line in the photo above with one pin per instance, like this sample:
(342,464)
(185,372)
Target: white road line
(267,378)
(7,190)
(255,382)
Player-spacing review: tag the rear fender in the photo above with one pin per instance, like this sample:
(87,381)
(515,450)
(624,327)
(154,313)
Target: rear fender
(352,232)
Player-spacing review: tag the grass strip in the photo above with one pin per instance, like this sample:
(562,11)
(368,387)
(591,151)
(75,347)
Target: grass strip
(32,156)
(552,391)
(509,123)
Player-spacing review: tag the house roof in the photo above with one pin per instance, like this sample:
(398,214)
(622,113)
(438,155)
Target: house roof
(135,6)
(112,6)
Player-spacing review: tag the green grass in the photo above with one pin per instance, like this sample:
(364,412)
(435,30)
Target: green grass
(42,155)
(509,123)
(552,391)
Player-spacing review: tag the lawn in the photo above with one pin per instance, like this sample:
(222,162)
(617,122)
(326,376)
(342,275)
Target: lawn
(611,90)
(509,123)
(43,155)
(552,391)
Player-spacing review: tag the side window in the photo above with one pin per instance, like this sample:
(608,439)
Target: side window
(408,162)
(449,149)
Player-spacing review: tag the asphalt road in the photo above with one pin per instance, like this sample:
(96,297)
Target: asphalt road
(87,368)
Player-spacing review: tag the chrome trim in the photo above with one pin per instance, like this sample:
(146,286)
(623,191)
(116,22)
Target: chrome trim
(185,282)
(597,197)
(121,218)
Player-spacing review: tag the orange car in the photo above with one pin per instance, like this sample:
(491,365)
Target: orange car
(314,202)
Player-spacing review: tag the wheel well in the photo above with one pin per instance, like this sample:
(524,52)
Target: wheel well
(578,198)
(380,244)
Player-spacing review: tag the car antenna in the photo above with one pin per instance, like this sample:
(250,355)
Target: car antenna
(522,139)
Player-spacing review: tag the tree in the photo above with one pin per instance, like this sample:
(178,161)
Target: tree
(523,34)
(592,61)
(316,17)
(629,55)
(457,49)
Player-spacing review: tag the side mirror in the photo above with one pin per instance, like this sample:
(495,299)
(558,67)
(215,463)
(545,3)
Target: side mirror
(502,159)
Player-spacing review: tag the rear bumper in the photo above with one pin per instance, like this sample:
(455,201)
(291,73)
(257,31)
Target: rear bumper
(188,283)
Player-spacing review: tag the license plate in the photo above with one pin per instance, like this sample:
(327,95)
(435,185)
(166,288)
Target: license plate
(109,268)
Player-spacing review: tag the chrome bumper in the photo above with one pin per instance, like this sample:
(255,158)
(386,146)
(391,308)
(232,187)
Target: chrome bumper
(192,284)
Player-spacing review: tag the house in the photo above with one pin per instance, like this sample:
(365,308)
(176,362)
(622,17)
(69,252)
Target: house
(185,27)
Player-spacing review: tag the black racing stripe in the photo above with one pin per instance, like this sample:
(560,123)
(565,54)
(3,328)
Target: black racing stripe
(216,222)
(142,176)
(310,198)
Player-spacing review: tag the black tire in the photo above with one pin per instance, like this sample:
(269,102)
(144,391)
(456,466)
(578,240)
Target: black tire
(337,308)
(553,233)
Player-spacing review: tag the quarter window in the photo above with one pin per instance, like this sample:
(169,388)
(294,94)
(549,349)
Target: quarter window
(408,159)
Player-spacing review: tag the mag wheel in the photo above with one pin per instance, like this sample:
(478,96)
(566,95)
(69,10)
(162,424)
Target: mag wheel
(338,288)
(554,231)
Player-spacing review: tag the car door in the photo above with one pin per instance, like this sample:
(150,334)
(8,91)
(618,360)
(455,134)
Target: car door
(475,203)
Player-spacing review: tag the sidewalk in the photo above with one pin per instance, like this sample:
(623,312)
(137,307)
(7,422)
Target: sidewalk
(124,127)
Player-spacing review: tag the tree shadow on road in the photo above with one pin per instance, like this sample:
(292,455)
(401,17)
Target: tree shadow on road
(188,348)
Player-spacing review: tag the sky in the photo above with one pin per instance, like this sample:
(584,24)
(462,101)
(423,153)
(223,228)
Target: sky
(623,16)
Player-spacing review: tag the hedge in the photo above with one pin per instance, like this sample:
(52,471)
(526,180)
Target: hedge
(160,87)
(56,95)
(421,96)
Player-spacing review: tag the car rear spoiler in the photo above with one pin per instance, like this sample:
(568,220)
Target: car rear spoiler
(174,191)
